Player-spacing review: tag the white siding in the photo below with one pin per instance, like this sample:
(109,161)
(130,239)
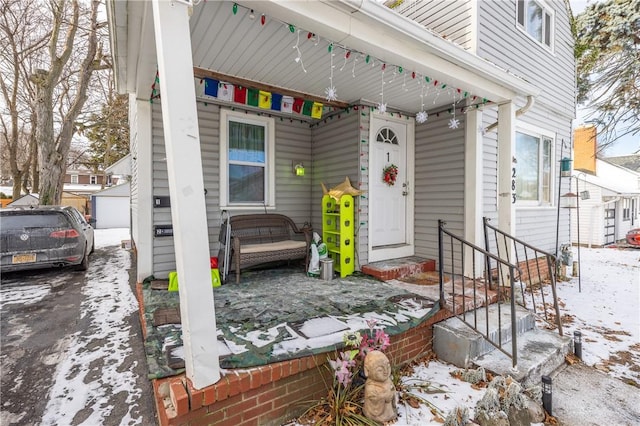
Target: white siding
(293,144)
(439,187)
(133,147)
(591,217)
(452,19)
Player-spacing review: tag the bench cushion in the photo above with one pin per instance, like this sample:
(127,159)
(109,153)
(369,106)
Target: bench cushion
(279,245)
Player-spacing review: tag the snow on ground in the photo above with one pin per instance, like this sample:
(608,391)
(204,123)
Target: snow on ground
(606,311)
(111,237)
(102,346)
(25,295)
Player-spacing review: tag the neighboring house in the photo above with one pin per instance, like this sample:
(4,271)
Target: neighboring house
(631,162)
(78,174)
(611,205)
(111,207)
(498,90)
(120,170)
(68,199)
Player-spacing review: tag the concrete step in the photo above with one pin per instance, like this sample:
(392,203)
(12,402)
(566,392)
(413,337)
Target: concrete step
(457,343)
(540,353)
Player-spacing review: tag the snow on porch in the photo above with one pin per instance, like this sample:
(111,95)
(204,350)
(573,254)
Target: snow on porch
(279,314)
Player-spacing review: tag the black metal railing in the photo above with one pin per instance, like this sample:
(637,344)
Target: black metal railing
(462,262)
(536,268)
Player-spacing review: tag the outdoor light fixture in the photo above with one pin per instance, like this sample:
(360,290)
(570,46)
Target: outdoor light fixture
(298,169)
(569,201)
(546,394)
(577,344)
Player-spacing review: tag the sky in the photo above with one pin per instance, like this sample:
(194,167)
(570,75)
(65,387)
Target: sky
(629,144)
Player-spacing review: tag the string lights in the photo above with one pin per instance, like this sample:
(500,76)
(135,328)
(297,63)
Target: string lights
(382,107)
(355,56)
(422,116)
(298,58)
(330,91)
(454,123)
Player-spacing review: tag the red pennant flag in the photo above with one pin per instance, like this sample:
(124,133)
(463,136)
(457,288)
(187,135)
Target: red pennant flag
(297,104)
(240,94)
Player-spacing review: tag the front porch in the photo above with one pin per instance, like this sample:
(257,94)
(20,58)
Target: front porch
(277,328)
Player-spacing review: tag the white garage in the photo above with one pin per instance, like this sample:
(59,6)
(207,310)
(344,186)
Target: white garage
(111,207)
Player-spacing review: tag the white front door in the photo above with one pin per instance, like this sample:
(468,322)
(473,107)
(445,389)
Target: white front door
(390,201)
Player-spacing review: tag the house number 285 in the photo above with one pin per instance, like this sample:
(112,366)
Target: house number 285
(513,185)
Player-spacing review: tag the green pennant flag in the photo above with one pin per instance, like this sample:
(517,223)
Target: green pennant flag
(253,96)
(307,107)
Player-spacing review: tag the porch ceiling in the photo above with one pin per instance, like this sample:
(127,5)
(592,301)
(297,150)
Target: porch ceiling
(240,46)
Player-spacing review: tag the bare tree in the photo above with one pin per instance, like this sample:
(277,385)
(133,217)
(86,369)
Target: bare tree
(67,46)
(20,40)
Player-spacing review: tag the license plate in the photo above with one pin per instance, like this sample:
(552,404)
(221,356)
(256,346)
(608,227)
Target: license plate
(24,258)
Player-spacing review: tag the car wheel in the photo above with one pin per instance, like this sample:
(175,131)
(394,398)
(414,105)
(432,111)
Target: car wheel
(84,265)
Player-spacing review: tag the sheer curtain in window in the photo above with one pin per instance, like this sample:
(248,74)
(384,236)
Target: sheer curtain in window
(247,164)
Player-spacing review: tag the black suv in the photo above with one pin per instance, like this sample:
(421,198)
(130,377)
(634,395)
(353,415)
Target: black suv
(34,237)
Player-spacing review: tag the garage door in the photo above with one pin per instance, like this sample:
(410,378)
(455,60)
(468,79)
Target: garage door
(112,212)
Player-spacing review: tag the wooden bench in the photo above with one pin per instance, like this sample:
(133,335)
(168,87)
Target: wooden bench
(258,239)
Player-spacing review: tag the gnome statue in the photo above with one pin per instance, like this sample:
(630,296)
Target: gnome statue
(379,392)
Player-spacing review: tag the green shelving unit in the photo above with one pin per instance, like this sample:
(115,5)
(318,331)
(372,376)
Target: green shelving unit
(338,234)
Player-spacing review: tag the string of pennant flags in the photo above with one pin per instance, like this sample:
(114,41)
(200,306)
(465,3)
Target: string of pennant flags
(272,101)
(262,99)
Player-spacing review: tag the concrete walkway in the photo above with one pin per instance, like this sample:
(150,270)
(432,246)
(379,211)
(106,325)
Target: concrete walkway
(584,396)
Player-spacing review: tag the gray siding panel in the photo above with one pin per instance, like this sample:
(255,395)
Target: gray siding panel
(439,188)
(501,42)
(336,155)
(535,225)
(293,145)
(451,19)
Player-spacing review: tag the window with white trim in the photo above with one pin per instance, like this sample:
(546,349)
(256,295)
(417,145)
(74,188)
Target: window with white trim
(247,160)
(93,179)
(533,168)
(626,209)
(537,20)
(74,178)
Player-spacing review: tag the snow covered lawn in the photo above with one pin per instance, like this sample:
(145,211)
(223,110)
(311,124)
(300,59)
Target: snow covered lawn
(606,311)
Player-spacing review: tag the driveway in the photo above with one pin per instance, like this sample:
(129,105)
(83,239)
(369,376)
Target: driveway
(72,349)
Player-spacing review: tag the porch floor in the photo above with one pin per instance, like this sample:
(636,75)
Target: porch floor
(278,314)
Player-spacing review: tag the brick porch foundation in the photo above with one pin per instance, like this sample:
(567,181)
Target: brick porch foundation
(271,394)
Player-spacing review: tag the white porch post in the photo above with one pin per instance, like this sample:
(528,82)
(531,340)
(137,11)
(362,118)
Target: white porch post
(186,188)
(144,163)
(473,184)
(506,153)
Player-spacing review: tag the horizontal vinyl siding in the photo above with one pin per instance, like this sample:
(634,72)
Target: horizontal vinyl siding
(293,144)
(439,187)
(335,151)
(591,216)
(501,42)
(451,19)
(535,225)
